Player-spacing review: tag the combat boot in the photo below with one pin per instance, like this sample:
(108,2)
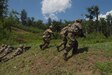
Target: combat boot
(57,48)
(65,56)
(41,47)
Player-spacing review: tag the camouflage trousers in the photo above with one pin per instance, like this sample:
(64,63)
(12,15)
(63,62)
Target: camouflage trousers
(63,43)
(73,45)
(46,42)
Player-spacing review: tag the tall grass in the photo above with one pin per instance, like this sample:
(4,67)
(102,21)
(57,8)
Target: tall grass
(29,28)
(105,68)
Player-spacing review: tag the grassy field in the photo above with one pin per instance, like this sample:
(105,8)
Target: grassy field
(94,57)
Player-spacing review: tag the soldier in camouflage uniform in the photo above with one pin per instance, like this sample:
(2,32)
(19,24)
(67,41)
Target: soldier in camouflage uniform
(6,51)
(3,47)
(79,26)
(19,50)
(72,42)
(63,33)
(47,37)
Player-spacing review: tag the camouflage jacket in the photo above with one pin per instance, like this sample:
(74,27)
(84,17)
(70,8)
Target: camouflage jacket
(64,31)
(47,33)
(73,31)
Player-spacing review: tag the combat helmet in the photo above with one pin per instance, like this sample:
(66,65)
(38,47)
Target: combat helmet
(78,20)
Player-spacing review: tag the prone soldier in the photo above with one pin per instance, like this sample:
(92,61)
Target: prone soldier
(2,48)
(19,50)
(6,51)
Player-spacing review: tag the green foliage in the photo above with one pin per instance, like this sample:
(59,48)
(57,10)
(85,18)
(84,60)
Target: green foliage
(30,21)
(56,26)
(88,26)
(105,67)
(49,21)
(29,28)
(3,8)
(4,33)
(93,38)
(93,11)
(103,26)
(24,17)
(39,24)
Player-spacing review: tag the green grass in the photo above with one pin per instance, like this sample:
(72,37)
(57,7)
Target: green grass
(104,67)
(50,62)
(29,28)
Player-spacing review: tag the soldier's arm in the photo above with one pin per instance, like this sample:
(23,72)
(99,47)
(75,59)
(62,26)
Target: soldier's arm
(53,35)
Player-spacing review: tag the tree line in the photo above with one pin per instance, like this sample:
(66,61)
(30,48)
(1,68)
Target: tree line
(9,19)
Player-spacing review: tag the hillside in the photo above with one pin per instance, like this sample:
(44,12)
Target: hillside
(94,58)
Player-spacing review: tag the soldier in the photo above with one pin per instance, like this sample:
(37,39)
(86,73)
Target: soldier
(3,47)
(72,42)
(19,50)
(79,26)
(26,48)
(47,37)
(63,33)
(8,50)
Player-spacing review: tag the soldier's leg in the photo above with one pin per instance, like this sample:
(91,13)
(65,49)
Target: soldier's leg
(67,49)
(44,42)
(75,47)
(47,42)
(46,45)
(62,43)
(65,43)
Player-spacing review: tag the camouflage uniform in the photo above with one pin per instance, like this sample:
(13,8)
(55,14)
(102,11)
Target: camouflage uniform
(19,50)
(46,38)
(6,51)
(80,30)
(3,47)
(72,42)
(63,33)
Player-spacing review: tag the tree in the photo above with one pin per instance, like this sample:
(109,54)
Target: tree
(90,13)
(109,23)
(96,13)
(24,17)
(3,8)
(49,21)
(15,15)
(93,13)
(9,22)
(104,27)
(39,24)
(3,14)
(57,25)
(29,21)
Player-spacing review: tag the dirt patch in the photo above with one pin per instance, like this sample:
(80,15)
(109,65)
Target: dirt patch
(79,64)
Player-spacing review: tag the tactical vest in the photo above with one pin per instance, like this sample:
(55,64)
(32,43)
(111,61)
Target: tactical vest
(47,33)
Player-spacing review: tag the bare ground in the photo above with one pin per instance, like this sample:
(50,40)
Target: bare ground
(79,64)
